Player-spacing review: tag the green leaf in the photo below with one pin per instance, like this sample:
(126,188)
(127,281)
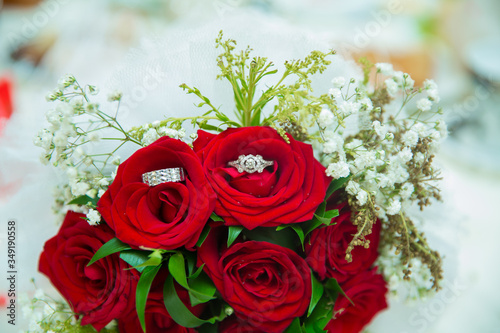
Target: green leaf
(142,292)
(335,185)
(197,273)
(295,227)
(285,237)
(203,235)
(135,258)
(256,118)
(207,328)
(202,289)
(233,233)
(155,258)
(177,268)
(110,247)
(321,209)
(177,310)
(208,127)
(191,259)
(333,286)
(317,293)
(323,220)
(294,327)
(216,218)
(83,200)
(321,315)
(330,214)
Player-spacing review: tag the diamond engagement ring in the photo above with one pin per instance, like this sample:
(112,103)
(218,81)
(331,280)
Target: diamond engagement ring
(157,177)
(250,163)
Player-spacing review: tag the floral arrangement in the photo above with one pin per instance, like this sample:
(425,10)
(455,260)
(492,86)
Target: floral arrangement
(291,217)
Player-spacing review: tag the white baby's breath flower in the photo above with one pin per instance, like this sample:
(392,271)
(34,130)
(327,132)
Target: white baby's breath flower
(39,294)
(156,124)
(420,129)
(333,143)
(65,109)
(354,144)
(325,118)
(424,104)
(93,217)
(433,95)
(352,187)
(366,104)
(391,86)
(362,197)
(419,158)
(93,90)
(408,82)
(406,190)
(92,193)
(410,138)
(442,128)
(103,182)
(115,96)
(405,155)
(435,136)
(394,207)
(338,82)
(150,136)
(100,193)
(66,81)
(365,159)
(60,139)
(398,77)
(181,133)
(381,130)
(171,132)
(385,68)
(338,170)
(72,173)
(430,84)
(116,160)
(79,188)
(346,108)
(336,93)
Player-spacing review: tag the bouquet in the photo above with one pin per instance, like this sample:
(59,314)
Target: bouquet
(288,216)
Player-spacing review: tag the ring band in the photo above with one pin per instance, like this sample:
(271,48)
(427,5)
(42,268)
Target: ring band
(169,175)
(250,163)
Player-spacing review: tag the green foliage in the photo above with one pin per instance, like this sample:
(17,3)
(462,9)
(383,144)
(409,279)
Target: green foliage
(291,91)
(233,233)
(142,292)
(112,246)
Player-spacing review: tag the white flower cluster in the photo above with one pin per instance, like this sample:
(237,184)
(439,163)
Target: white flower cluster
(42,309)
(155,130)
(379,169)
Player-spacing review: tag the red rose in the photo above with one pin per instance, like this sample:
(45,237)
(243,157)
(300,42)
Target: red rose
(166,216)
(235,325)
(99,293)
(326,249)
(287,192)
(267,285)
(157,318)
(367,290)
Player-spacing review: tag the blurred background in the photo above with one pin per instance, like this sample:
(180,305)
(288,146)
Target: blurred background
(456,42)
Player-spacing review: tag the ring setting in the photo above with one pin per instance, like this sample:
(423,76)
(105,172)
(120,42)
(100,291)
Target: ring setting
(169,175)
(250,163)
